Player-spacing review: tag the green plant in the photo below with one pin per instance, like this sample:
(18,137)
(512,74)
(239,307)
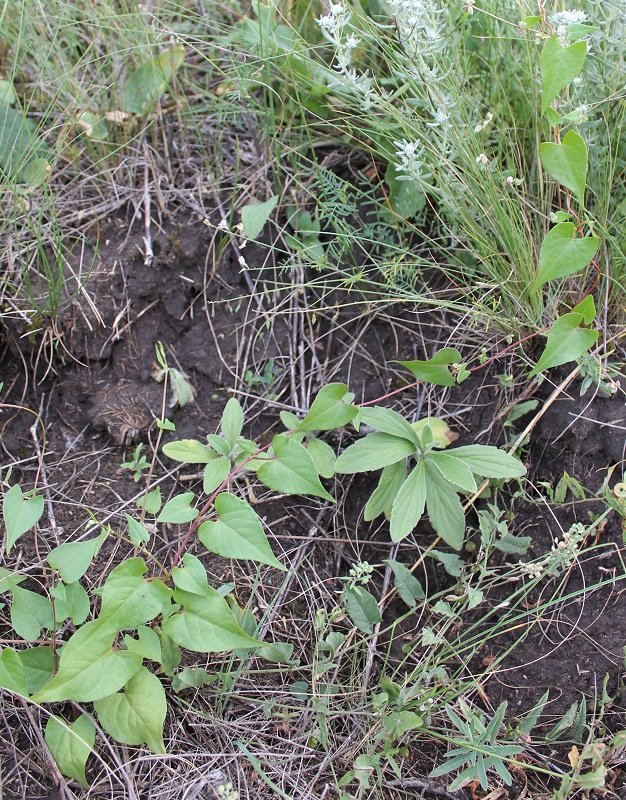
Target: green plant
(137,464)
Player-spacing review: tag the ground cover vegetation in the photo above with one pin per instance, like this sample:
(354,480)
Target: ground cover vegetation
(263,266)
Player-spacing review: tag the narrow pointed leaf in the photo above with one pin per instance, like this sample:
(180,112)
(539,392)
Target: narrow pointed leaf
(189,451)
(445,511)
(406,584)
(362,608)
(381,500)
(389,421)
(232,421)
(375,451)
(454,470)
(408,506)
(567,341)
(489,462)
(323,457)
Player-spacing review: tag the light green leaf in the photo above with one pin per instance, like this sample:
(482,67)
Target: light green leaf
(192,577)
(20,514)
(399,723)
(189,451)
(137,533)
(181,390)
(587,308)
(237,532)
(329,409)
(489,462)
(136,715)
(128,599)
(255,215)
(323,457)
(407,585)
(12,672)
(150,81)
(559,66)
(71,602)
(215,473)
(409,504)
(206,624)
(567,341)
(362,608)
(151,502)
(170,654)
(292,470)
(232,421)
(38,663)
(436,369)
(454,470)
(375,451)
(220,444)
(90,669)
(445,511)
(30,612)
(7,93)
(441,433)
(562,255)
(73,559)
(179,510)
(191,678)
(289,420)
(389,421)
(148,644)
(451,562)
(276,652)
(9,579)
(381,500)
(567,162)
(71,745)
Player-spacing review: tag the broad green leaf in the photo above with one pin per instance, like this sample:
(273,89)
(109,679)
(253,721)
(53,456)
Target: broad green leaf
(255,215)
(567,162)
(9,579)
(289,420)
(150,81)
(362,608)
(276,652)
(407,585)
(20,514)
(192,576)
(454,470)
(406,198)
(151,502)
(73,559)
(90,669)
(30,612)
(137,533)
(559,66)
(189,451)
(215,473)
(179,510)
(562,255)
(329,409)
(381,500)
(237,532)
(451,562)
(375,451)
(71,602)
(7,93)
(323,457)
(38,663)
(148,644)
(12,672)
(489,462)
(389,421)
(567,341)
(587,308)
(70,745)
(515,545)
(232,421)
(128,599)
(220,444)
(445,511)
(191,678)
(399,723)
(292,470)
(409,504)
(206,624)
(436,369)
(136,715)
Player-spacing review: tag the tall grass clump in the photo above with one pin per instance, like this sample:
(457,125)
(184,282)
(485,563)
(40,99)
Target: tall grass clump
(448,97)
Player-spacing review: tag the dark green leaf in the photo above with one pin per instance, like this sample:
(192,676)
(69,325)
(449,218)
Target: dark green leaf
(38,665)
(407,585)
(562,255)
(567,341)
(362,608)
(436,369)
(445,511)
(150,81)
(391,479)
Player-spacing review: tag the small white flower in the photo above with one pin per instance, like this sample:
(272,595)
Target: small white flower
(337,17)
(223,225)
(482,125)
(482,159)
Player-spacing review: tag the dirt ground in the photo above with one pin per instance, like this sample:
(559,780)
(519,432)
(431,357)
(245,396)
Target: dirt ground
(93,385)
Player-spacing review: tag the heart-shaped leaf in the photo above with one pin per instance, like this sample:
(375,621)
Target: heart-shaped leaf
(567,162)
(330,409)
(20,514)
(559,66)
(567,341)
(71,745)
(292,470)
(562,255)
(437,369)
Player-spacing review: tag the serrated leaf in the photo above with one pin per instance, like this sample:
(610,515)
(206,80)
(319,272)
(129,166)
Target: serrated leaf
(147,644)
(389,421)
(150,81)
(73,559)
(567,341)
(489,462)
(562,255)
(128,599)
(406,584)
(38,664)
(136,715)
(362,608)
(189,451)
(408,506)
(567,163)
(375,451)
(237,532)
(329,409)
(436,369)
(559,66)
(381,500)
(179,509)
(90,669)
(215,473)
(255,215)
(206,624)
(454,470)
(292,470)
(71,745)
(232,421)
(20,514)
(323,457)
(30,612)
(445,511)
(12,672)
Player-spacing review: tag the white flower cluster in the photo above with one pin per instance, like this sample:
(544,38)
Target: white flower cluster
(562,554)
(420,24)
(411,166)
(563,19)
(337,18)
